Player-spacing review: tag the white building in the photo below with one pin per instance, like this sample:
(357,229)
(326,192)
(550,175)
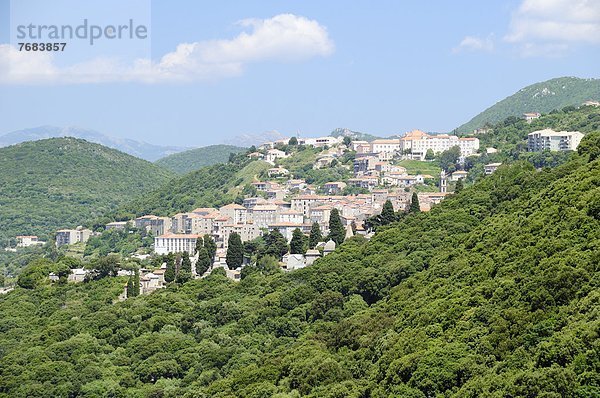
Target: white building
(491,167)
(550,140)
(237,213)
(175,243)
(28,240)
(418,143)
(71,236)
(274,154)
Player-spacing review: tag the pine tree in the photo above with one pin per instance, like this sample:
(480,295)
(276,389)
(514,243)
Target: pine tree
(337,232)
(170,271)
(414,204)
(235,251)
(211,247)
(388,215)
(297,242)
(459,186)
(315,236)
(203,263)
(130,287)
(136,282)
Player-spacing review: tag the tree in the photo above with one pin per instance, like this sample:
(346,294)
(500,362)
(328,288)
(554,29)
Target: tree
(211,247)
(130,292)
(199,245)
(449,159)
(337,232)
(459,186)
(186,264)
(170,271)
(275,244)
(315,235)
(347,141)
(414,204)
(136,282)
(293,141)
(429,155)
(235,251)
(297,242)
(388,215)
(203,263)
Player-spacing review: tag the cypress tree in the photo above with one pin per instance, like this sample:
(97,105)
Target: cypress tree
(203,263)
(235,251)
(337,232)
(297,242)
(414,204)
(186,264)
(136,282)
(275,244)
(130,287)
(315,236)
(199,245)
(170,271)
(211,247)
(388,215)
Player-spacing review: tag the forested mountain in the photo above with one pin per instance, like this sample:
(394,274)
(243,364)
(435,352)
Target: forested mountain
(138,149)
(540,97)
(493,293)
(63,182)
(193,159)
(214,185)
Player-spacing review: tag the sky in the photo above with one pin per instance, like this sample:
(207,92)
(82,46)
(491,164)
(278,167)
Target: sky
(210,71)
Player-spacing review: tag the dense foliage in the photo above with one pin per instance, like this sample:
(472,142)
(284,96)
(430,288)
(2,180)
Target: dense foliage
(493,293)
(62,182)
(215,185)
(541,97)
(194,159)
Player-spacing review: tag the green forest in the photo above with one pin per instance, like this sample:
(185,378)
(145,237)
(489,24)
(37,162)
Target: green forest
(540,97)
(63,182)
(194,159)
(493,293)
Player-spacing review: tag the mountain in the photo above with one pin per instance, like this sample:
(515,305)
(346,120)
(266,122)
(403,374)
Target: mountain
(62,182)
(250,139)
(138,149)
(210,186)
(540,97)
(355,135)
(193,159)
(493,293)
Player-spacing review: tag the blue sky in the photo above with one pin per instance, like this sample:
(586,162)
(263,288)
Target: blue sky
(311,66)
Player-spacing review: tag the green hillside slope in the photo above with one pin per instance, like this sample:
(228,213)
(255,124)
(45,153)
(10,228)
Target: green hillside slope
(184,162)
(63,182)
(540,97)
(214,185)
(493,293)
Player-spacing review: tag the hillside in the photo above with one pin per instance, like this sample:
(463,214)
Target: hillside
(354,135)
(63,182)
(540,97)
(214,185)
(493,293)
(193,159)
(138,149)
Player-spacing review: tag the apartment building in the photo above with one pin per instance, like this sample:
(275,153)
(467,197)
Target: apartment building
(550,140)
(71,236)
(175,243)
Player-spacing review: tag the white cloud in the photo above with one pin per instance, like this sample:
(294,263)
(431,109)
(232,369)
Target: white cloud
(283,38)
(473,43)
(551,27)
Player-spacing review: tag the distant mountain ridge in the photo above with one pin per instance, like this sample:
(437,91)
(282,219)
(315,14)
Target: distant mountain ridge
(540,97)
(256,139)
(193,159)
(139,149)
(355,135)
